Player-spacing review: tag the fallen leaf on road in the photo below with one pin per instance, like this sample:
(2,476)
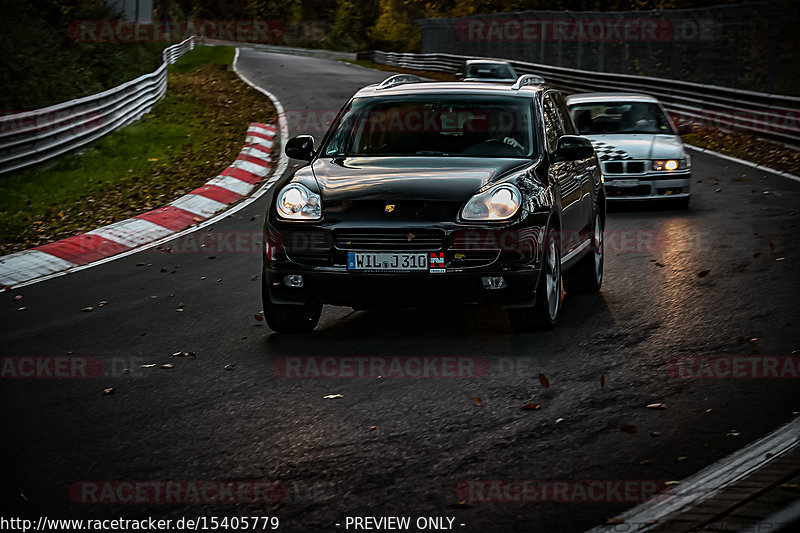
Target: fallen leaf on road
(108,391)
(670,483)
(657,406)
(460,505)
(544,381)
(373,428)
(660,265)
(332,396)
(478,400)
(22,309)
(151,365)
(530,407)
(610,521)
(682,458)
(646,462)
(732,433)
(18,297)
(788,486)
(780,259)
(167,365)
(230,366)
(102,303)
(703,273)
(629,429)
(602,381)
(259,317)
(655,433)
(87,309)
(771,247)
(709,410)
(756,255)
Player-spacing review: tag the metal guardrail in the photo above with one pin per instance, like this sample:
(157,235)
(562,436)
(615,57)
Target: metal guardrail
(31,137)
(771,116)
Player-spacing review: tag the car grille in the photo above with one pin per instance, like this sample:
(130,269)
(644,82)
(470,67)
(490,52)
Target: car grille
(624,167)
(389,240)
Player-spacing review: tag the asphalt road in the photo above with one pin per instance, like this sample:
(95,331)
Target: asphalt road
(202,421)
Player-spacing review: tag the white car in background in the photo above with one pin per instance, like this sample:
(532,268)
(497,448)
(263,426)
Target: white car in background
(487,70)
(639,147)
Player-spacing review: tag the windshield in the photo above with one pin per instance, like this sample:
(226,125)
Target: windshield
(619,117)
(490,70)
(433,125)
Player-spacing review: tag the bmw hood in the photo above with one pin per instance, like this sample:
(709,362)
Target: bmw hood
(637,146)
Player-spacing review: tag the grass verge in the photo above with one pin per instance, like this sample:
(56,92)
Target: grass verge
(747,147)
(188,137)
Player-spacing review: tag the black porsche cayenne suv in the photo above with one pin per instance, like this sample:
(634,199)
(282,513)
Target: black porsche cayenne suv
(426,193)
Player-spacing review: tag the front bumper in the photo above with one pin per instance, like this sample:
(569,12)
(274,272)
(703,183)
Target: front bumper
(401,290)
(647,187)
(466,256)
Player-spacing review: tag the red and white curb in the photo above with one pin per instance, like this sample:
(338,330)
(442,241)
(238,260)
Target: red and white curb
(234,183)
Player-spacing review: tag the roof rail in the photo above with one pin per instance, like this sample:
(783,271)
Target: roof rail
(527,79)
(398,79)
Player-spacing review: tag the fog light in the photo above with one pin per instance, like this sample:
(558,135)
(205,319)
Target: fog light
(293,280)
(494,282)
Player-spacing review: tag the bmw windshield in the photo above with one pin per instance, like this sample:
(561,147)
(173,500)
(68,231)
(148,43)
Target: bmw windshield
(433,125)
(597,118)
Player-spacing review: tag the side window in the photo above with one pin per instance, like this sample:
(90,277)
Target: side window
(569,126)
(553,125)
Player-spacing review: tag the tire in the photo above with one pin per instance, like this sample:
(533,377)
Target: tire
(586,277)
(544,314)
(283,318)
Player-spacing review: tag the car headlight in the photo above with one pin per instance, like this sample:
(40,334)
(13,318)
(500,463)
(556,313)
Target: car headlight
(499,203)
(297,202)
(670,164)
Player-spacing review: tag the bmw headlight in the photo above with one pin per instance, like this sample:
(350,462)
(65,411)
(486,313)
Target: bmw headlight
(671,164)
(297,202)
(500,203)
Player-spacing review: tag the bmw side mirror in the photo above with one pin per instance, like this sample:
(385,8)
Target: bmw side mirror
(573,148)
(300,147)
(684,129)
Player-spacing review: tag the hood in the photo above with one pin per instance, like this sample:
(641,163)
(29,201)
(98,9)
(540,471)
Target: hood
(410,178)
(637,146)
(418,190)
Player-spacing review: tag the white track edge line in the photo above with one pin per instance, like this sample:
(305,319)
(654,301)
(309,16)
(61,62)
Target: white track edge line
(283,163)
(743,162)
(714,478)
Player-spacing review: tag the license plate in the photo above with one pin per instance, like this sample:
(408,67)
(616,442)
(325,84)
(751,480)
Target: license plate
(387,262)
(624,183)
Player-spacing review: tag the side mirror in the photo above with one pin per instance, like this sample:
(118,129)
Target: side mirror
(573,148)
(300,147)
(684,129)
(459,75)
